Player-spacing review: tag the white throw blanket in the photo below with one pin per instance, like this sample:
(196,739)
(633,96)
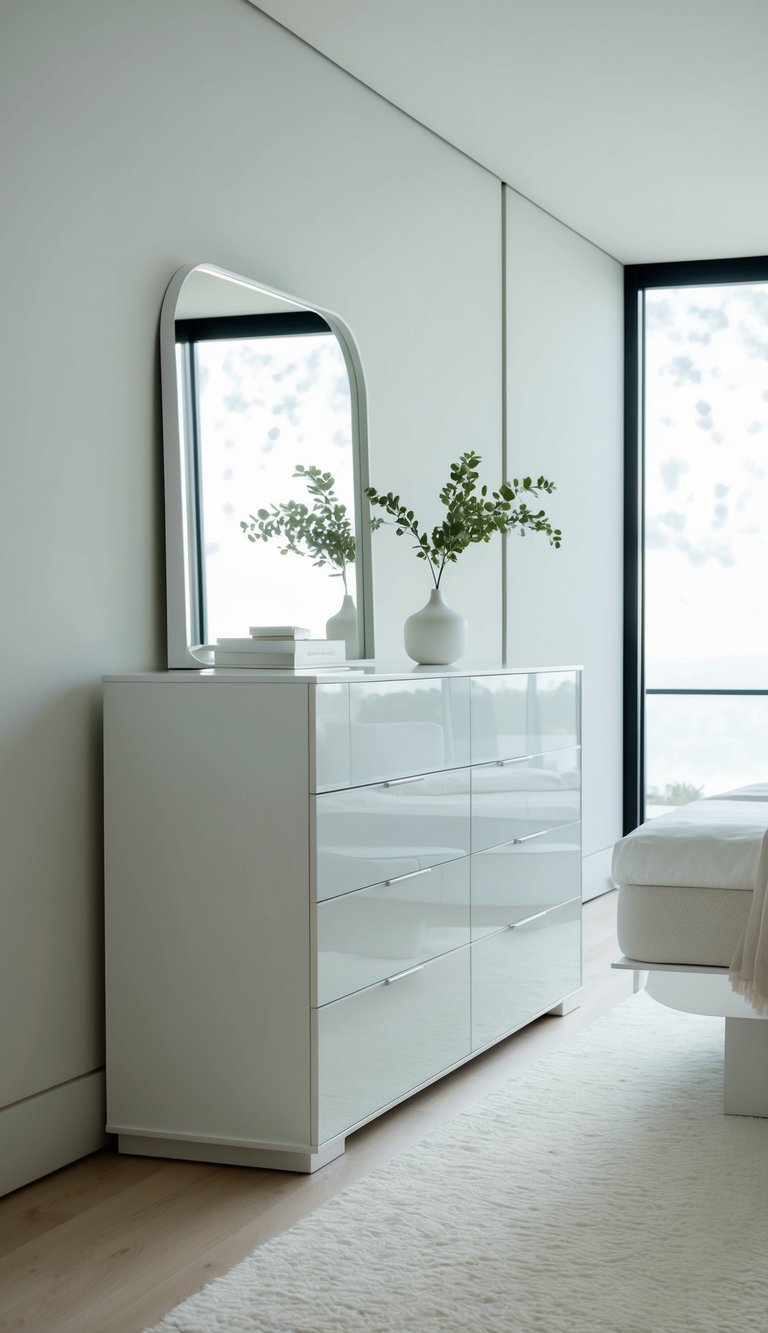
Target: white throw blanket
(749,966)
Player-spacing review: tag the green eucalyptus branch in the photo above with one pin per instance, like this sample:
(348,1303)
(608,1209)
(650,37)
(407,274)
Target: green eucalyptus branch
(472,514)
(322,532)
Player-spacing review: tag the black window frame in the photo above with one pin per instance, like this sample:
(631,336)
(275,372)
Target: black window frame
(277,324)
(638,279)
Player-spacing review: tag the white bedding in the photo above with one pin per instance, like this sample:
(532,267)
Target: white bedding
(712,843)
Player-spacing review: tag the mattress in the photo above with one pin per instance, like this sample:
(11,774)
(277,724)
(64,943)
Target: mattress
(679,923)
(685,879)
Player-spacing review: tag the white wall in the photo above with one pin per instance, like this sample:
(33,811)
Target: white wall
(136,138)
(140,137)
(564,420)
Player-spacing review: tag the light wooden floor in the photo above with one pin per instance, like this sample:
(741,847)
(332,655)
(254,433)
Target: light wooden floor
(111,1243)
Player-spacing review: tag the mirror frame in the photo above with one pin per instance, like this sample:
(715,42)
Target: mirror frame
(183,556)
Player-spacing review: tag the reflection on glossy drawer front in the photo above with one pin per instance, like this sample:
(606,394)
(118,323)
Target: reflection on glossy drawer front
(401,727)
(520,972)
(365,936)
(511,800)
(517,880)
(515,715)
(330,733)
(377,1045)
(369,834)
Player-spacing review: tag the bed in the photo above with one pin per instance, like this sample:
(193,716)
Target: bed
(686,885)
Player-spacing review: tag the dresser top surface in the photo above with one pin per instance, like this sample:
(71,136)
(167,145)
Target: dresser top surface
(352,674)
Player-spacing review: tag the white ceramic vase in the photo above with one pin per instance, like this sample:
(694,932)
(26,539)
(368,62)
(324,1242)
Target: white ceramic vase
(435,635)
(344,626)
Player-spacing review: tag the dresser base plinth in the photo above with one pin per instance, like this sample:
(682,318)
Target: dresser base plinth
(226,1154)
(566,1006)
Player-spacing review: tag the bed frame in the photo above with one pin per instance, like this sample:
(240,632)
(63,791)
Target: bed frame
(707,990)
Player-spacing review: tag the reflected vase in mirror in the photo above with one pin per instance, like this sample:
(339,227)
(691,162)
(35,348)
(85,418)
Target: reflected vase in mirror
(320,529)
(344,626)
(263,410)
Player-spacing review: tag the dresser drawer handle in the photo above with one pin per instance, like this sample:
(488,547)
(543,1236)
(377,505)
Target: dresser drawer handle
(411,875)
(504,763)
(513,925)
(400,782)
(527,837)
(409,971)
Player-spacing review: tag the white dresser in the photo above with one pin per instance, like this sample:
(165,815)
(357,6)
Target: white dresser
(323,893)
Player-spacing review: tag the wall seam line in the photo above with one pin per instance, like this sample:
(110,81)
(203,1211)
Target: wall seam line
(429,130)
(374,91)
(504,441)
(547,212)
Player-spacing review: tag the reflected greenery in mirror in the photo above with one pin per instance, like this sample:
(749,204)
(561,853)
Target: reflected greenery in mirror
(252,381)
(323,533)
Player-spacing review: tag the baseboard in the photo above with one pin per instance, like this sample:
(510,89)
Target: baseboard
(204,1151)
(47,1131)
(596,874)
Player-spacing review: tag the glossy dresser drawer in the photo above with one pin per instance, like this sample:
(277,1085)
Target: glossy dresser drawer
(400,727)
(365,835)
(371,731)
(329,766)
(520,972)
(518,880)
(376,1046)
(518,797)
(517,715)
(364,937)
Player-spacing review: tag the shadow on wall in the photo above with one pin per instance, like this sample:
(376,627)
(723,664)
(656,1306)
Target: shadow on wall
(51,944)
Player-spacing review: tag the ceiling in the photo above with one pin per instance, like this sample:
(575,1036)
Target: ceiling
(642,125)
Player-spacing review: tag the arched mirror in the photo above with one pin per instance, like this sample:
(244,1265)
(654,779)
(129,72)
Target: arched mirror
(258,390)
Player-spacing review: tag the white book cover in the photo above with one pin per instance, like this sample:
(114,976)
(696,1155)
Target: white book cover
(232,663)
(289,648)
(305,652)
(279,632)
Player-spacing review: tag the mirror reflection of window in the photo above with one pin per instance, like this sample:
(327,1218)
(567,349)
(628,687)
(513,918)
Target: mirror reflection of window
(268,392)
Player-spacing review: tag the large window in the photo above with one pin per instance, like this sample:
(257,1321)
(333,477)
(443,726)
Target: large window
(697,532)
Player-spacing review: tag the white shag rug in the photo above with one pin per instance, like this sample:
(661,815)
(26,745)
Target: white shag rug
(601,1191)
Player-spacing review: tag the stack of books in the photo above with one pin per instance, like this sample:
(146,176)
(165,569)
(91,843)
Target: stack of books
(280,648)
